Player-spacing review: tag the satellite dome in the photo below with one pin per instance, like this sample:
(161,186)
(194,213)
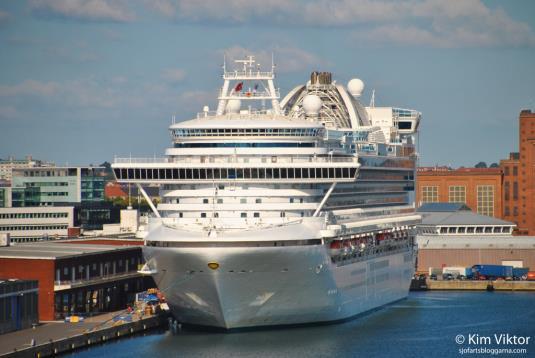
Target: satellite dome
(233,106)
(355,87)
(312,104)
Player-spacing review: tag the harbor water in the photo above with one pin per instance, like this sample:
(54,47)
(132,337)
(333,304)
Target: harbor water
(439,324)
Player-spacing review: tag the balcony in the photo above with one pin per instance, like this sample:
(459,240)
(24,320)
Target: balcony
(66,285)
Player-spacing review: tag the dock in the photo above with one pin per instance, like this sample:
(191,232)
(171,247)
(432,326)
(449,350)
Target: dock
(58,337)
(475,285)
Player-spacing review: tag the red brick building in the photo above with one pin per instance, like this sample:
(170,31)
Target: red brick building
(519,178)
(478,188)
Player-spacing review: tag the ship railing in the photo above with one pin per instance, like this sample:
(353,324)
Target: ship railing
(244,114)
(247,74)
(238,159)
(246,94)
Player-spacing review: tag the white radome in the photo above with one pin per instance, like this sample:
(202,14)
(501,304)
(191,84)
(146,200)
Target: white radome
(355,87)
(312,104)
(233,106)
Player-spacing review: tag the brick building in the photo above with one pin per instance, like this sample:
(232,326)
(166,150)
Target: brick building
(519,178)
(479,188)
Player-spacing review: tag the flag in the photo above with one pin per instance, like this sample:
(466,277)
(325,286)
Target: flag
(238,87)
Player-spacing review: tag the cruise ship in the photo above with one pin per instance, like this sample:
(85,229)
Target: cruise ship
(281,212)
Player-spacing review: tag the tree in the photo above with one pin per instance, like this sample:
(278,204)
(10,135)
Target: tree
(494,165)
(481,165)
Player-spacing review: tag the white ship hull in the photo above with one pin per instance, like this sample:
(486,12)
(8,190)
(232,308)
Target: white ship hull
(275,285)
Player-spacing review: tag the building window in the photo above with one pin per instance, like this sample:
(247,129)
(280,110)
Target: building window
(457,194)
(430,194)
(506,191)
(506,171)
(515,190)
(506,211)
(515,171)
(485,200)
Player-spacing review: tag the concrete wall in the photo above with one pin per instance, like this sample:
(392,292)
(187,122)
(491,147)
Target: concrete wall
(469,257)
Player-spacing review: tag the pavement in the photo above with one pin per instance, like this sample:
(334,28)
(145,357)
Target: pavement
(55,330)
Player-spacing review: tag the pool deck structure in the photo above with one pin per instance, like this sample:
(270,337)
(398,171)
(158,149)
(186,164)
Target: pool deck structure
(56,337)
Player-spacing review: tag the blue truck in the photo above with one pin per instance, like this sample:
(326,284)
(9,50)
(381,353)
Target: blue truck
(520,273)
(491,272)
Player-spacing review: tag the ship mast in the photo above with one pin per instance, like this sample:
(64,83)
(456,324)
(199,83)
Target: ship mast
(240,79)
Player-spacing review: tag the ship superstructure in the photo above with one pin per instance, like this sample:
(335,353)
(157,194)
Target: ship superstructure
(297,213)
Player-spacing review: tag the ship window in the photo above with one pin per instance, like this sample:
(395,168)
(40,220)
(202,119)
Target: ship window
(205,201)
(196,173)
(221,187)
(470,230)
(291,173)
(305,173)
(243,201)
(256,215)
(220,201)
(269,173)
(216,215)
(180,215)
(243,215)
(284,173)
(168,174)
(149,173)
(161,173)
(283,214)
(291,200)
(203,215)
(224,173)
(247,173)
(331,173)
(209,173)
(202,173)
(182,174)
(130,173)
(325,173)
(143,173)
(346,172)
(240,173)
(258,201)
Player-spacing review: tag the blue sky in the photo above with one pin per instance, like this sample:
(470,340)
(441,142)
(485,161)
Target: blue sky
(82,81)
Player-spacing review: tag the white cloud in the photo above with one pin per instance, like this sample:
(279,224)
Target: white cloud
(291,59)
(434,23)
(9,112)
(88,10)
(30,88)
(4,16)
(173,75)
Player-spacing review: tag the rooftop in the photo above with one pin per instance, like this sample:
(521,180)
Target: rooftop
(48,250)
(456,214)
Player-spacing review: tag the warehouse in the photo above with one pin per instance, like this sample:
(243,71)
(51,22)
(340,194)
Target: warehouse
(76,278)
(452,235)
